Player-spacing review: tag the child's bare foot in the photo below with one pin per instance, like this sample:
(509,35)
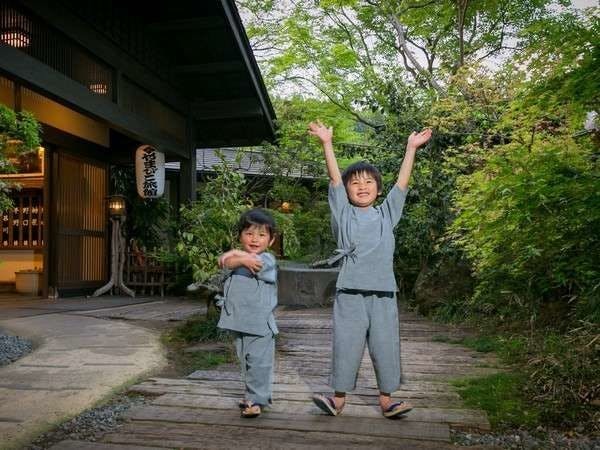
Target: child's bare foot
(391,409)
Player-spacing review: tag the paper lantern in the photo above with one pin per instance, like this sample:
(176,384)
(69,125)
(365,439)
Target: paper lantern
(149,172)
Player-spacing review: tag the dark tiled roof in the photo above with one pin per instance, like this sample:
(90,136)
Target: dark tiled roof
(251,162)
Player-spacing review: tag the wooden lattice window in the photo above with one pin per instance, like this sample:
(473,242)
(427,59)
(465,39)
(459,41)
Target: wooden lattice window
(23,225)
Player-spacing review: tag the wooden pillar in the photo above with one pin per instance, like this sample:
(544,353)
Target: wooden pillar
(187,169)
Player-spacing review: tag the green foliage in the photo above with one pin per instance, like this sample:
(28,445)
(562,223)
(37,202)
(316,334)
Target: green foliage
(502,186)
(529,222)
(500,395)
(346,51)
(197,329)
(563,375)
(148,220)
(208,226)
(21,132)
(296,152)
(313,227)
(201,329)
(287,229)
(554,377)
(21,126)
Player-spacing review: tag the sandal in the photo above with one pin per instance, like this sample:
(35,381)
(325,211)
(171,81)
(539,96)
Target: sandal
(327,404)
(396,409)
(251,410)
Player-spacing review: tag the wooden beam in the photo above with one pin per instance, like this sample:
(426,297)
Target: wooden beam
(59,87)
(210,68)
(195,24)
(227,109)
(102,47)
(237,28)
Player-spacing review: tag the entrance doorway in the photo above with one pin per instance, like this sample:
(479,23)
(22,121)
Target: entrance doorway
(79,241)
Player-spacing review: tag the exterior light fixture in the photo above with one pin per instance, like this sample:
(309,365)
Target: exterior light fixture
(286,207)
(16,30)
(116,210)
(116,206)
(15,38)
(99,88)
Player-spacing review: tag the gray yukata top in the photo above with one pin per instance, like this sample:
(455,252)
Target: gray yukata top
(249,299)
(365,239)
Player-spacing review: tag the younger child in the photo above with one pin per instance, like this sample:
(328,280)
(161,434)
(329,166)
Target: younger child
(365,309)
(249,298)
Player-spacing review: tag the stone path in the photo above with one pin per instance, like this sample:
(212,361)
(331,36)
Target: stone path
(200,411)
(167,310)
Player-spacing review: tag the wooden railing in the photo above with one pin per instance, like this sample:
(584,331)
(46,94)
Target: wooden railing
(22,226)
(145,274)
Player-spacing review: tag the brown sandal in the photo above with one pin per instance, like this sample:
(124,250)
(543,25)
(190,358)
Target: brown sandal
(251,410)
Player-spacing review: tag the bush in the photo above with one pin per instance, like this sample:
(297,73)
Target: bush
(529,222)
(208,226)
(564,375)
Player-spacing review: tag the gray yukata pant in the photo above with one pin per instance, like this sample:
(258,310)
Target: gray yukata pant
(256,355)
(359,318)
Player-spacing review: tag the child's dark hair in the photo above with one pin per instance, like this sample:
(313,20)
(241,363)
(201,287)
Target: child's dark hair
(362,167)
(257,216)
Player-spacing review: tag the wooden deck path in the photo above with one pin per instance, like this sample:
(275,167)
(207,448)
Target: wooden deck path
(200,411)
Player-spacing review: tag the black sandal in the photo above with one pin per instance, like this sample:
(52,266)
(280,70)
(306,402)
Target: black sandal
(327,404)
(396,409)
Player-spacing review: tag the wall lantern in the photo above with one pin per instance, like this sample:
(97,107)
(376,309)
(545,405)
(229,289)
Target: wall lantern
(15,38)
(99,88)
(116,206)
(15,30)
(286,207)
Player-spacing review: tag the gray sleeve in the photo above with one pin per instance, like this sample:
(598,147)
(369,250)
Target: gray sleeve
(393,205)
(338,199)
(268,272)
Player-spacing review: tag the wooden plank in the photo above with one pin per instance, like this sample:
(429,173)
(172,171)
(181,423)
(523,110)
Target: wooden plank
(227,437)
(209,397)
(283,390)
(347,425)
(85,445)
(408,386)
(468,418)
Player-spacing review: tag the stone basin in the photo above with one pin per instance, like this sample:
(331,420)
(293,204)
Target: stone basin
(301,285)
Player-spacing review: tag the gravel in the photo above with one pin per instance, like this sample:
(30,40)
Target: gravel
(523,439)
(12,348)
(91,424)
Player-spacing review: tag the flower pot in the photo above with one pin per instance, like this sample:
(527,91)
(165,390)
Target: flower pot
(28,281)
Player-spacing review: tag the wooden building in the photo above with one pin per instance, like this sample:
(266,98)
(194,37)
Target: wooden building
(104,77)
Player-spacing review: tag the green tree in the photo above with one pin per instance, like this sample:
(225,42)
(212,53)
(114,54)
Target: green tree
(208,226)
(348,51)
(528,217)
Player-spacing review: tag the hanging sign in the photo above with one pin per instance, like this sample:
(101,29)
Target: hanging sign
(149,172)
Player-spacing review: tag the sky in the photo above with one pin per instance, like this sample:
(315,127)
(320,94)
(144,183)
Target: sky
(584,3)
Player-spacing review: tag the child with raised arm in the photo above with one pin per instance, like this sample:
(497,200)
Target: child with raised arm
(249,298)
(365,309)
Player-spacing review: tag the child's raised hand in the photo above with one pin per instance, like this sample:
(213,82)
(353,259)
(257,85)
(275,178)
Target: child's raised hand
(321,131)
(416,140)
